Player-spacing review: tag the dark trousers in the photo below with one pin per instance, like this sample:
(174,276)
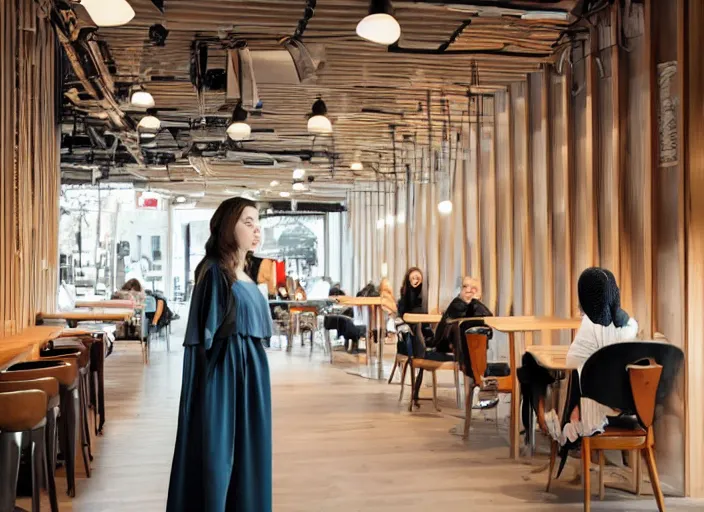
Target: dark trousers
(534,381)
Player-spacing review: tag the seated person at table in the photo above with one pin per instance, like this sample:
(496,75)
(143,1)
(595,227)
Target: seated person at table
(131,290)
(440,346)
(411,300)
(603,323)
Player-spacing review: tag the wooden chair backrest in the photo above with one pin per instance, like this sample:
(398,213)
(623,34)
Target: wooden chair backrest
(477,345)
(645,379)
(159,311)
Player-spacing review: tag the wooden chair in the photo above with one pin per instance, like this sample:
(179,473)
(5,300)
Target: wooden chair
(632,378)
(416,362)
(477,343)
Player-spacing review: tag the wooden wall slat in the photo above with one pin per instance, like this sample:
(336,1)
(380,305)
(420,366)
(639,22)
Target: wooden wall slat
(29,187)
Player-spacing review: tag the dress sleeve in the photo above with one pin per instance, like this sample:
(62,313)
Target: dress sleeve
(208,306)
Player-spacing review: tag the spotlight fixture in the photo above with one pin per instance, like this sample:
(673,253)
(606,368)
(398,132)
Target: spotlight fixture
(239,129)
(109,13)
(142,99)
(274,184)
(158,34)
(299,187)
(298,174)
(319,124)
(285,194)
(379,26)
(356,166)
(180,199)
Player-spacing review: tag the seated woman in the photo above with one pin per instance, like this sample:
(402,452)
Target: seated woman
(604,323)
(440,346)
(131,290)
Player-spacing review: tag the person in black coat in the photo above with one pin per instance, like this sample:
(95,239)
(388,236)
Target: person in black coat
(441,346)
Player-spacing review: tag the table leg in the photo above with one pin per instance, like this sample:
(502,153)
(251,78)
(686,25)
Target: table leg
(380,341)
(515,398)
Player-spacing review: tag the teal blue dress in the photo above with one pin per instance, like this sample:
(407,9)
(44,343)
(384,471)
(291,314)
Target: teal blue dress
(223,455)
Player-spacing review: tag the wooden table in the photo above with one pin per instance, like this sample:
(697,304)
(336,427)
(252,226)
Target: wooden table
(376,316)
(108,304)
(27,344)
(551,357)
(522,324)
(422,318)
(89,315)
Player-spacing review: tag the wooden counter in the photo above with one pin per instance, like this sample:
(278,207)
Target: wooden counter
(92,315)
(23,346)
(110,304)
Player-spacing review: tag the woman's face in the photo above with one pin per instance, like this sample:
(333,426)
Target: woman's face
(247,230)
(469,289)
(416,278)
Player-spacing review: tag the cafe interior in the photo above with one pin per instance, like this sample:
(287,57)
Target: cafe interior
(518,157)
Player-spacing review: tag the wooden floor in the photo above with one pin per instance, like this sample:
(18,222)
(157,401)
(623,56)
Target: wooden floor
(341,444)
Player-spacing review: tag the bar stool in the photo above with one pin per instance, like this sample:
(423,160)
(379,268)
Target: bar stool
(81,357)
(21,412)
(95,342)
(66,373)
(50,387)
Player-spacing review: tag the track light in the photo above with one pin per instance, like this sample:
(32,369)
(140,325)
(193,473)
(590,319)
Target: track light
(109,13)
(298,174)
(379,26)
(319,124)
(239,129)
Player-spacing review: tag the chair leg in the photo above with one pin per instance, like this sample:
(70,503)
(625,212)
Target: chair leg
(38,453)
(468,399)
(601,475)
(638,471)
(435,390)
(10,445)
(551,467)
(586,477)
(654,478)
(458,391)
(50,459)
(413,387)
(403,381)
(393,371)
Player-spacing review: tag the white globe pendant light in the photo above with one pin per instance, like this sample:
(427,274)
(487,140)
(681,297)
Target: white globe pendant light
(142,99)
(319,124)
(109,13)
(356,166)
(379,26)
(149,123)
(239,129)
(445,207)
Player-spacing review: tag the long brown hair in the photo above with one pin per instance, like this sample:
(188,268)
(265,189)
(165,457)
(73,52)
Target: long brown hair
(406,279)
(222,246)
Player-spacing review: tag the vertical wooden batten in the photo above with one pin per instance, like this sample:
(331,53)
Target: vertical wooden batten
(694,176)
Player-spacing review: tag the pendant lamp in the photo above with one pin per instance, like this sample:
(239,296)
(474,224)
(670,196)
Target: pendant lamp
(109,13)
(319,124)
(142,99)
(149,123)
(379,26)
(239,129)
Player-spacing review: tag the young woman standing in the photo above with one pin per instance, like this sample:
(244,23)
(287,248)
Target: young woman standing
(223,455)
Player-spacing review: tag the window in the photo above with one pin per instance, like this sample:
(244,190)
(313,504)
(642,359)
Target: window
(156,248)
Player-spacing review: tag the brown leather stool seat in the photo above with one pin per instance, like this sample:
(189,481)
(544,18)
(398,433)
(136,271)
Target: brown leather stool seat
(50,387)
(67,375)
(21,412)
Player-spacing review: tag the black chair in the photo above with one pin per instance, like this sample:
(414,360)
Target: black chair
(632,378)
(346,328)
